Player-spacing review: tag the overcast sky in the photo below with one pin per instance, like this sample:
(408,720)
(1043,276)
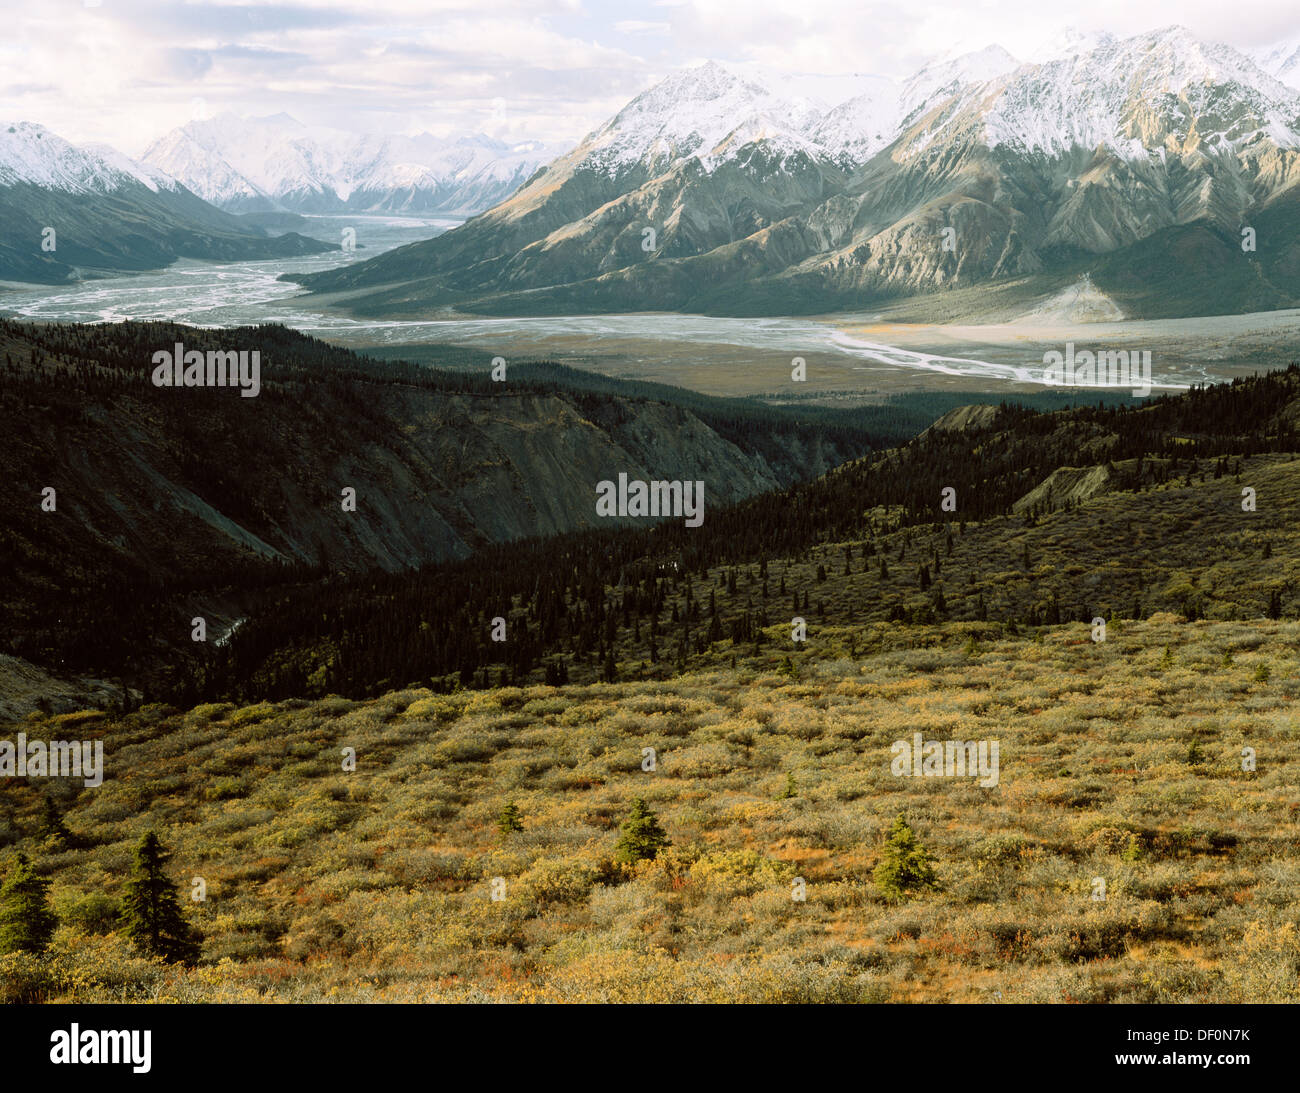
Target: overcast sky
(126,71)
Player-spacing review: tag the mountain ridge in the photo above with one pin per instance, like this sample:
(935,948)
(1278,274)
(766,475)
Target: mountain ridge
(707,186)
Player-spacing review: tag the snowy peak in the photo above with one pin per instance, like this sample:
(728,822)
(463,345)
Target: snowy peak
(1070,43)
(856,129)
(229,160)
(1282,62)
(30,153)
(1163,91)
(1133,95)
(949,75)
(203,170)
(1172,58)
(691,113)
(713,111)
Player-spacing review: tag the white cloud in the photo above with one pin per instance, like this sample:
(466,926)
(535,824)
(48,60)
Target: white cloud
(130,69)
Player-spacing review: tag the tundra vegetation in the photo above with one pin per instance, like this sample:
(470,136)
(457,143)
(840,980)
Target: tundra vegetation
(1123,777)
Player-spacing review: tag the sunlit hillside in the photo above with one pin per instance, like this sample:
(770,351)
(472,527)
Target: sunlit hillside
(1124,853)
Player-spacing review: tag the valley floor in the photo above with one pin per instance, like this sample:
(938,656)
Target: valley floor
(1124,854)
(906,346)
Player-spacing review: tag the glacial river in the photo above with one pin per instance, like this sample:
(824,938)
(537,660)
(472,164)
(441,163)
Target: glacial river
(213,294)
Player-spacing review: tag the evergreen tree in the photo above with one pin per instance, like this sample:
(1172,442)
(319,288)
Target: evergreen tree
(151,914)
(640,836)
(52,825)
(905,867)
(510,820)
(26,922)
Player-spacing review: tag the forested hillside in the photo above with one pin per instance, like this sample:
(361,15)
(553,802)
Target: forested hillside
(175,502)
(1173,506)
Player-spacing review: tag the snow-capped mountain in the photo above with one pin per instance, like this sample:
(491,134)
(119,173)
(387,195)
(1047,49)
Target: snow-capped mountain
(32,154)
(1138,95)
(712,113)
(761,195)
(1282,62)
(70,210)
(691,113)
(1072,42)
(949,75)
(277,163)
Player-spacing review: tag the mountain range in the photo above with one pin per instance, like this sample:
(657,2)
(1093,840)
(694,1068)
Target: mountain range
(226,189)
(72,212)
(278,164)
(1138,162)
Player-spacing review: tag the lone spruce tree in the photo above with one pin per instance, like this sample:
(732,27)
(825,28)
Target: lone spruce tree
(905,867)
(52,825)
(510,820)
(151,915)
(641,836)
(26,922)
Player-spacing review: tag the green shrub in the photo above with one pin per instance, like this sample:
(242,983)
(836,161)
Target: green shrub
(24,978)
(93,913)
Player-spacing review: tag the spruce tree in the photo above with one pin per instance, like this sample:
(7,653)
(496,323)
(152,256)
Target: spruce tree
(905,867)
(26,922)
(510,821)
(52,825)
(151,914)
(640,836)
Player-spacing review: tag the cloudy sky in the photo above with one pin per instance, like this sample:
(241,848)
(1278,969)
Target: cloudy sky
(126,71)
